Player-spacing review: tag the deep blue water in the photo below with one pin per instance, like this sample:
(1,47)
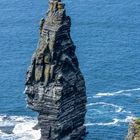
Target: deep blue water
(107,36)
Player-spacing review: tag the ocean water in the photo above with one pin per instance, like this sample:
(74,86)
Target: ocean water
(107,36)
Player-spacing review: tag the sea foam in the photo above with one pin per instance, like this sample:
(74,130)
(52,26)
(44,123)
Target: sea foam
(22,128)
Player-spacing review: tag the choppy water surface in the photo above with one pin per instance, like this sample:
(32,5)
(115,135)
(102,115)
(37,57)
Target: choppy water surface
(106,34)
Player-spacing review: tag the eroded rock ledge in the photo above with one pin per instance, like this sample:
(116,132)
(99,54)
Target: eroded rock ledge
(55,87)
(134,130)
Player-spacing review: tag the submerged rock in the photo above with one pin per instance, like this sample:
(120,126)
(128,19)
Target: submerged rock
(134,130)
(55,87)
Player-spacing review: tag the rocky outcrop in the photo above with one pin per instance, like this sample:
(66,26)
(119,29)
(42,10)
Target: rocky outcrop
(55,87)
(134,130)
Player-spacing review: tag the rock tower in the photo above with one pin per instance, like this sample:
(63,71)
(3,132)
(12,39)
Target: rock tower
(55,87)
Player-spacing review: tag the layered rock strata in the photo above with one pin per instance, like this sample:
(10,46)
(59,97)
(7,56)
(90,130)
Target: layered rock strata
(134,130)
(55,87)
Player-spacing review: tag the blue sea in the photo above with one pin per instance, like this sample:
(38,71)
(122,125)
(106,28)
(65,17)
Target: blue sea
(107,36)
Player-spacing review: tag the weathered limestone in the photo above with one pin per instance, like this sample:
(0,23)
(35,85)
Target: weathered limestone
(134,130)
(55,87)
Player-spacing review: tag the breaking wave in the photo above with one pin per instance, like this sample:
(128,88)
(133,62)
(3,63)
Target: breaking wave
(18,127)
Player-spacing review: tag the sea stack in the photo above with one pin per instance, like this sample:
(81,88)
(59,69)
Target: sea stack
(55,86)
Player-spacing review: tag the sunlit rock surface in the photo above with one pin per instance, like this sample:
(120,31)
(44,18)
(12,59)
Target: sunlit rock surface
(134,130)
(55,87)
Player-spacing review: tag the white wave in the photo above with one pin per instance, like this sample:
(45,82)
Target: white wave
(22,128)
(22,118)
(120,109)
(117,93)
(127,119)
(13,120)
(99,95)
(135,89)
(2,117)
(25,130)
(115,122)
(127,90)
(117,108)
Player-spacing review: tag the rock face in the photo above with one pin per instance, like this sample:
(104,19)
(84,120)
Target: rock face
(55,87)
(134,130)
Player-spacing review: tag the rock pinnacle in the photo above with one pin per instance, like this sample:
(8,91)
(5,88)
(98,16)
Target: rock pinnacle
(55,86)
